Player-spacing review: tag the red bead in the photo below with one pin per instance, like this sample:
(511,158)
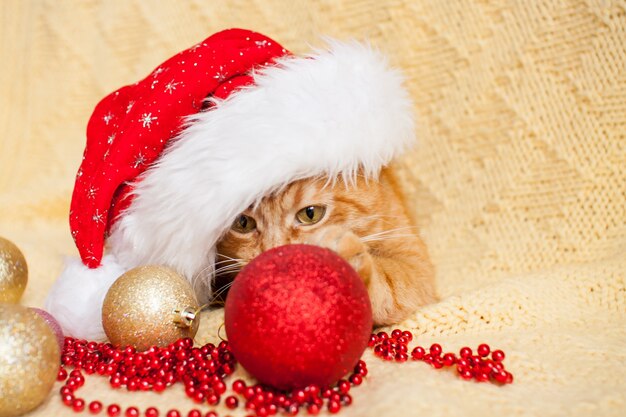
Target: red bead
(396,333)
(372,341)
(382,336)
(483,350)
(152,412)
(194,413)
(62,375)
(133,385)
(437,362)
(346,399)
(481,377)
(211,414)
(418,353)
(356,379)
(239,386)
(449,359)
(334,407)
(173,413)
(113,410)
(78,404)
(292,410)
(300,396)
(465,373)
(435,349)
(343,386)
(313,390)
(248,393)
(500,376)
(401,357)
(231,402)
(509,378)
(72,383)
(313,409)
(407,335)
(95,407)
(132,412)
(498,355)
(68,399)
(465,352)
(115,381)
(219,387)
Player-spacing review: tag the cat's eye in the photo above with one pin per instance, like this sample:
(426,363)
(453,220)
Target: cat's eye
(310,214)
(244,224)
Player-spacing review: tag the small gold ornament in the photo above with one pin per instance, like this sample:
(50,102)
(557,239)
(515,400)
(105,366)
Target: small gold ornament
(29,360)
(148,306)
(13,272)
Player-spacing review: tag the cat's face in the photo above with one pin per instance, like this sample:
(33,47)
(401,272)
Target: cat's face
(295,214)
(364,223)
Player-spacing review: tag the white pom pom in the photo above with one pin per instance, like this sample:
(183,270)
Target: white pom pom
(75,299)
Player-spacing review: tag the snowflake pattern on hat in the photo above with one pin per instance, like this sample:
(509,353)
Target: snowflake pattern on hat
(131,127)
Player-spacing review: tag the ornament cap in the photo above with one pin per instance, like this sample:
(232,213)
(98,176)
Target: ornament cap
(184,318)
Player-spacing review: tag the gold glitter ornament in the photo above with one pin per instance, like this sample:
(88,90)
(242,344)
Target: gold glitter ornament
(29,360)
(13,272)
(149,306)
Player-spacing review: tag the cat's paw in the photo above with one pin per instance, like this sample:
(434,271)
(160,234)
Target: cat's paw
(348,245)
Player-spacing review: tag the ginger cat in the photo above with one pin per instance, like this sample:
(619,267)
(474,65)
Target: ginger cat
(365,223)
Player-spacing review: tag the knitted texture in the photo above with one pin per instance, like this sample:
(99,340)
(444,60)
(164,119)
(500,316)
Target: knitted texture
(519,183)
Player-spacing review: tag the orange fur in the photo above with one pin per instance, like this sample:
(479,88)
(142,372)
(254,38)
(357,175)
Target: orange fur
(365,223)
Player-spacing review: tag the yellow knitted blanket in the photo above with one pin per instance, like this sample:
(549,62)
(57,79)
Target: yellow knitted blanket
(519,183)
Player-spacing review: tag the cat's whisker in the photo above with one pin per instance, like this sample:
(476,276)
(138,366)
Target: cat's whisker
(386,219)
(227,268)
(387,237)
(222,290)
(228,257)
(386,232)
(200,273)
(225,261)
(380,216)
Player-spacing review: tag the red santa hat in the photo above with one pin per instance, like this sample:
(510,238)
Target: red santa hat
(172,160)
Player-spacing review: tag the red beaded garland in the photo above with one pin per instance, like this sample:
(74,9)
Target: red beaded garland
(202,371)
(468,366)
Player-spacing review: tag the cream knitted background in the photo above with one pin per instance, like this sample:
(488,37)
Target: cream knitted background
(519,182)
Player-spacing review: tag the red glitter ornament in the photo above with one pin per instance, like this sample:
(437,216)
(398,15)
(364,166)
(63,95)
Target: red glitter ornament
(298,315)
